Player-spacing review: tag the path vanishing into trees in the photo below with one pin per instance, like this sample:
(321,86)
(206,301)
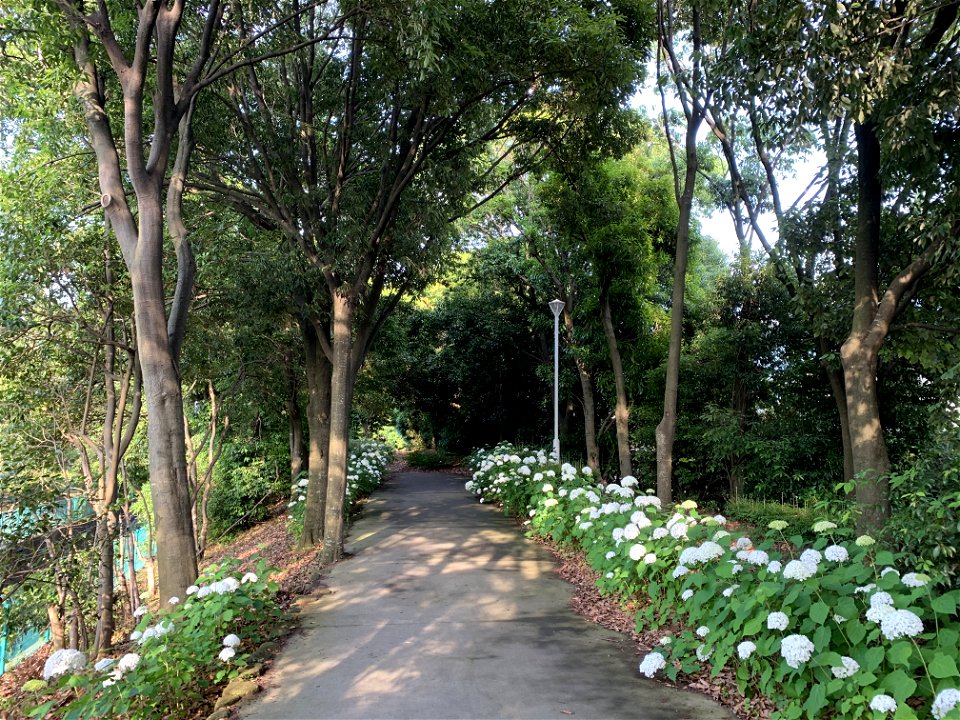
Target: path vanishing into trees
(446,611)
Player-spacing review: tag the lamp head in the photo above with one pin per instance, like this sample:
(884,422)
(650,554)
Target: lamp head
(556,306)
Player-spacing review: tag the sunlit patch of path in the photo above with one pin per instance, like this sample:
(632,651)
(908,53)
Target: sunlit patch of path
(446,611)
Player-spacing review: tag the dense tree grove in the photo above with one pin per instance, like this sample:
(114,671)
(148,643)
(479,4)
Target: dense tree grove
(237,237)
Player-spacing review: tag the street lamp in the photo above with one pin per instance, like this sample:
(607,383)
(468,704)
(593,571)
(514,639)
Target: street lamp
(557,307)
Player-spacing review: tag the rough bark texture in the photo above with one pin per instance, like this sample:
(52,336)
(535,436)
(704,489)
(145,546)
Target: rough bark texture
(835,379)
(622,411)
(294,420)
(341,392)
(667,429)
(318,370)
(586,387)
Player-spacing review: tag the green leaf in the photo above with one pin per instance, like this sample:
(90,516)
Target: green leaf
(900,652)
(943,666)
(819,612)
(900,685)
(872,659)
(945,604)
(816,701)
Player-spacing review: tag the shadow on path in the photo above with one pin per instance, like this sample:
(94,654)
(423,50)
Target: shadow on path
(446,611)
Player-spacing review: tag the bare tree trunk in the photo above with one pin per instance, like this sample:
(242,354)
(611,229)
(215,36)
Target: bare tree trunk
(294,420)
(622,411)
(835,379)
(106,530)
(55,619)
(318,371)
(341,392)
(586,387)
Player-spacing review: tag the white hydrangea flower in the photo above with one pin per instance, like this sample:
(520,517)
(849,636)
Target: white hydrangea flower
(652,663)
(62,662)
(618,535)
(631,532)
(915,580)
(737,568)
(303,483)
(796,650)
(945,701)
(877,613)
(629,481)
(141,611)
(744,543)
(719,519)
(823,526)
(730,590)
(637,552)
(678,531)
(777,525)
(128,662)
(836,553)
(577,492)
(777,621)
(702,653)
(587,470)
(881,598)
(227,654)
(660,533)
(231,640)
(799,570)
(547,488)
(136,635)
(811,556)
(848,668)
(888,570)
(586,525)
(865,541)
(103,664)
(680,571)
(757,557)
(562,492)
(865,588)
(746,649)
(703,631)
(883,703)
(647,500)
(900,623)
(174,600)
(550,502)
(609,576)
(611,554)
(775,566)
(650,558)
(720,535)
(686,594)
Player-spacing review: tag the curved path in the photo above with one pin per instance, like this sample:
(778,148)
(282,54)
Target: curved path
(446,611)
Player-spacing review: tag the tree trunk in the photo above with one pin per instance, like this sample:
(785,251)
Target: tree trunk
(318,371)
(860,351)
(622,412)
(106,529)
(341,392)
(294,420)
(586,386)
(172,505)
(667,429)
(55,619)
(835,378)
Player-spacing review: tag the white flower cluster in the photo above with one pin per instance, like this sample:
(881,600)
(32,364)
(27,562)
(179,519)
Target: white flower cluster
(700,554)
(799,570)
(898,624)
(883,703)
(62,662)
(127,663)
(944,702)
(777,621)
(158,630)
(796,650)
(746,649)
(651,664)
(230,642)
(836,553)
(848,667)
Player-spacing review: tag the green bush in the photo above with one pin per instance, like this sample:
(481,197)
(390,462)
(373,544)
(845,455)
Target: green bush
(181,654)
(760,513)
(826,628)
(249,478)
(431,459)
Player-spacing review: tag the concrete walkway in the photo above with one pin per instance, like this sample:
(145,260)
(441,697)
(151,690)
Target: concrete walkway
(446,611)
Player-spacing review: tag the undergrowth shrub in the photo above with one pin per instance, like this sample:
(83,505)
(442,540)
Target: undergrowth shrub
(826,628)
(177,655)
(762,512)
(431,459)
(249,477)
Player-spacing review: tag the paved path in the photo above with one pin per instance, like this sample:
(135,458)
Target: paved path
(446,611)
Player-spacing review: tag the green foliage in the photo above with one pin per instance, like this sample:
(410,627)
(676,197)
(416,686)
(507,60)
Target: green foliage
(760,513)
(852,628)
(431,459)
(926,516)
(248,479)
(181,656)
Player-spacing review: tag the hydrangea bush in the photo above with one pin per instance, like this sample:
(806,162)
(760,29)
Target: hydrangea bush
(365,471)
(177,655)
(837,627)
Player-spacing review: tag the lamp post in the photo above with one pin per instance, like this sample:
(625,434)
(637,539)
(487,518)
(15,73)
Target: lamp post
(557,307)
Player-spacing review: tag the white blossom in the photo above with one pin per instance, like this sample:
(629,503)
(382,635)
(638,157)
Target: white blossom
(231,640)
(631,531)
(744,543)
(174,600)
(796,650)
(799,570)
(777,621)
(650,558)
(900,623)
(103,664)
(848,668)
(660,533)
(944,702)
(702,653)
(680,571)
(836,553)
(883,703)
(629,481)
(686,594)
(757,557)
(62,662)
(637,552)
(915,580)
(888,570)
(141,611)
(746,649)
(703,631)
(811,556)
(227,654)
(730,590)
(652,663)
(128,662)
(775,566)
